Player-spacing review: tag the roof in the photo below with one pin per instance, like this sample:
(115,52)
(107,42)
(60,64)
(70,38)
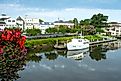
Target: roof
(114,23)
(19,18)
(46,23)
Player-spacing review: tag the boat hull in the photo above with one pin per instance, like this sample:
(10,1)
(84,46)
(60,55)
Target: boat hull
(77,47)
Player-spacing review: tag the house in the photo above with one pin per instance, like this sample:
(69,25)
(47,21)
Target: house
(114,29)
(64,23)
(3,19)
(20,23)
(11,22)
(31,23)
(45,25)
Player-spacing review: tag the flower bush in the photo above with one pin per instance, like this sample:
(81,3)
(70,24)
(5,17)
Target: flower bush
(12,53)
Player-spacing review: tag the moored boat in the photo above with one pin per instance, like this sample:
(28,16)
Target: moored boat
(77,44)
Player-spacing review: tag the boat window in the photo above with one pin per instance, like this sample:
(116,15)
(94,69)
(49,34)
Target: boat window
(85,42)
(79,40)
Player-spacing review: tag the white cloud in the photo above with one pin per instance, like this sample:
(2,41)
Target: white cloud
(52,15)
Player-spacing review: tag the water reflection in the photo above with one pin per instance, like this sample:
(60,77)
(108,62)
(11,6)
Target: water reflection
(10,71)
(77,55)
(96,52)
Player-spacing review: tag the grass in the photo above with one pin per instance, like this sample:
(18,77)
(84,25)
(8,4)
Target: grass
(52,41)
(47,41)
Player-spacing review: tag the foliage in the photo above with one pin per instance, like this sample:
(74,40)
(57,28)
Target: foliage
(99,30)
(33,32)
(93,37)
(48,41)
(88,30)
(75,21)
(51,30)
(12,53)
(85,22)
(99,20)
(62,29)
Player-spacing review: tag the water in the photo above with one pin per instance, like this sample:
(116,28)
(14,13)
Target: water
(98,63)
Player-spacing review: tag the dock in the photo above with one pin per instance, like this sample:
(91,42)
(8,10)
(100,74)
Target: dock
(64,46)
(103,41)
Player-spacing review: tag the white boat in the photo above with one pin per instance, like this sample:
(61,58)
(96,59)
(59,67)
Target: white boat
(77,44)
(77,55)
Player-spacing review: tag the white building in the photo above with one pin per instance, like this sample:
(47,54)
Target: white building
(45,25)
(64,23)
(31,23)
(114,29)
(20,23)
(3,19)
(10,22)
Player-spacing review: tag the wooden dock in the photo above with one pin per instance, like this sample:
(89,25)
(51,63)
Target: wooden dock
(103,41)
(64,46)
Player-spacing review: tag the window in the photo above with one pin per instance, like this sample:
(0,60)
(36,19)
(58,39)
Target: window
(117,30)
(9,20)
(13,20)
(79,40)
(20,24)
(116,33)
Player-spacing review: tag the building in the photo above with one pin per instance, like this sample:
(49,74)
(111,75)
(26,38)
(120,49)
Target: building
(10,23)
(64,23)
(31,23)
(20,23)
(45,25)
(3,19)
(114,29)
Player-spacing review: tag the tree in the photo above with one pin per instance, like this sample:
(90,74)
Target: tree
(33,32)
(88,30)
(75,21)
(62,29)
(51,30)
(99,20)
(85,22)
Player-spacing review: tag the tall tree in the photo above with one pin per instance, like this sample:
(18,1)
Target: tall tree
(75,21)
(99,20)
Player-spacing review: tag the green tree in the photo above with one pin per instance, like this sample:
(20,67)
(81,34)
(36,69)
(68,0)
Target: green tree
(33,32)
(75,21)
(99,20)
(51,30)
(62,29)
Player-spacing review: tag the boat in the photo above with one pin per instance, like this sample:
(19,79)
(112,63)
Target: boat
(78,54)
(77,44)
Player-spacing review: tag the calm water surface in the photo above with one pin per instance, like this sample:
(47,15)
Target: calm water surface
(98,63)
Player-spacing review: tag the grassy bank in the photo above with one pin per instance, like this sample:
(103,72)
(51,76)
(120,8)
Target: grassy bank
(52,41)
(47,41)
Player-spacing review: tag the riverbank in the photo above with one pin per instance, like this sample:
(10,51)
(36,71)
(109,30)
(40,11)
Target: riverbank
(33,43)
(50,42)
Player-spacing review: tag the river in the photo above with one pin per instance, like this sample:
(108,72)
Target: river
(98,63)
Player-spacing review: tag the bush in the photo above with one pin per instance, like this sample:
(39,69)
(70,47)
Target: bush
(33,32)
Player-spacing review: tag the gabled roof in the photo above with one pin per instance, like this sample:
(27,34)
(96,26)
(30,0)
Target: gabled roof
(19,18)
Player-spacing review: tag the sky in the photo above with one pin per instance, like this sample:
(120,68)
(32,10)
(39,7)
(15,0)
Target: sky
(52,10)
